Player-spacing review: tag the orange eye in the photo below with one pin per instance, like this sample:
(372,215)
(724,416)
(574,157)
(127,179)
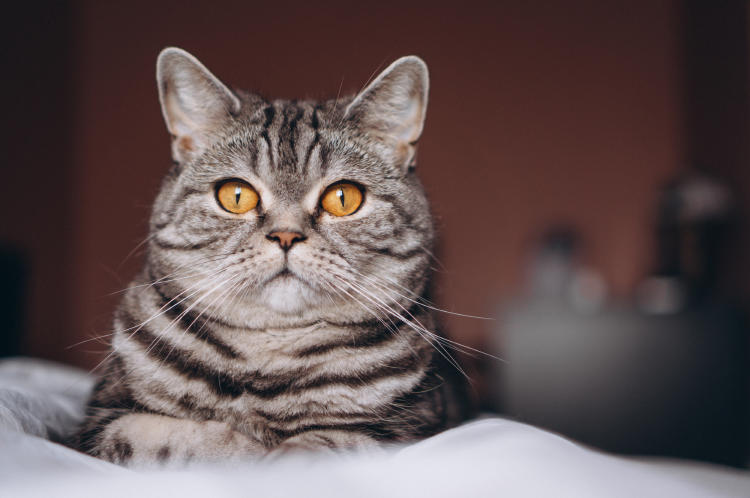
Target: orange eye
(341,199)
(237,197)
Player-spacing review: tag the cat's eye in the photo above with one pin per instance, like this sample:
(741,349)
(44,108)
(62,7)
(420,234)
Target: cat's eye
(341,199)
(237,196)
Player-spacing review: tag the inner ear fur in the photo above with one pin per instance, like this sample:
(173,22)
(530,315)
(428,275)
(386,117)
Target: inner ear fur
(392,108)
(195,103)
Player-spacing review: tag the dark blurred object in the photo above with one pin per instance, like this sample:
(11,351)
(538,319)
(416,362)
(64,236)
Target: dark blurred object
(668,378)
(694,227)
(669,385)
(13,288)
(694,221)
(717,120)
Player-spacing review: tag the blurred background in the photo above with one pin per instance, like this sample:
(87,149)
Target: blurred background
(587,163)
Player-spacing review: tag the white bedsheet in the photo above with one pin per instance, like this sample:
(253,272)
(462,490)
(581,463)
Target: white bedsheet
(489,457)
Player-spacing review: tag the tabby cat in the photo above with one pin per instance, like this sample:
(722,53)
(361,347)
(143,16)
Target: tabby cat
(282,304)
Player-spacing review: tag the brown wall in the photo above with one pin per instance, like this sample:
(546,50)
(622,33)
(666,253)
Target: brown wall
(539,113)
(36,187)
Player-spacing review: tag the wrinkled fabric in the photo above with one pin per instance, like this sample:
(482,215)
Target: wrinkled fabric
(488,457)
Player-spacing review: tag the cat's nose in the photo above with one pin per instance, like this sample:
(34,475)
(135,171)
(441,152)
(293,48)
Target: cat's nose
(285,239)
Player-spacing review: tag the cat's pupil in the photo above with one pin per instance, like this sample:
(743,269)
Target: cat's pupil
(340,193)
(237,194)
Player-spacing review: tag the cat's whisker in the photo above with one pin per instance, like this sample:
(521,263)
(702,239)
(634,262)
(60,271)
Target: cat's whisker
(328,293)
(171,277)
(382,285)
(133,251)
(434,258)
(90,339)
(365,85)
(225,296)
(338,93)
(192,306)
(415,326)
(434,337)
(173,303)
(391,327)
(459,346)
(168,277)
(391,281)
(162,280)
(164,308)
(170,326)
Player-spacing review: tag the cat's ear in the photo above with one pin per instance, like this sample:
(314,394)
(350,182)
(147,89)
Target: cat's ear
(392,108)
(195,104)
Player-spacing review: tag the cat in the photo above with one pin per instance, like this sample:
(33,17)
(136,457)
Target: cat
(282,305)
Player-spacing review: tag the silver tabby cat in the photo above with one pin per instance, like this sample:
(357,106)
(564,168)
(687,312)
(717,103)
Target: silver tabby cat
(282,305)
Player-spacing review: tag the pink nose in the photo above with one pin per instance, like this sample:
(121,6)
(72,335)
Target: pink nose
(286,239)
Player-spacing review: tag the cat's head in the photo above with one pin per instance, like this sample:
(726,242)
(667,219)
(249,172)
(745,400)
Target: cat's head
(285,212)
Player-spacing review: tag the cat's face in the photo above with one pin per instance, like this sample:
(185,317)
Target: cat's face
(282,213)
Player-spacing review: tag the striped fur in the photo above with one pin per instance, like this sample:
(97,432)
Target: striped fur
(228,346)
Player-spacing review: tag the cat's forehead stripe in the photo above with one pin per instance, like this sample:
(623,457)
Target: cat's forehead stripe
(291,132)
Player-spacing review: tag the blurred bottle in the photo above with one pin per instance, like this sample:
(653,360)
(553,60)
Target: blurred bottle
(694,214)
(557,276)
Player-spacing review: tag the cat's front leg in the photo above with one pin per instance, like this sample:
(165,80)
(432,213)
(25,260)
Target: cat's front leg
(326,441)
(142,439)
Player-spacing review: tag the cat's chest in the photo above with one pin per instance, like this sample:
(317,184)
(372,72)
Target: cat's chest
(281,380)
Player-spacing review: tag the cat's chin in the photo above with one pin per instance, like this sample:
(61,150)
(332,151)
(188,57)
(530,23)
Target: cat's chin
(287,294)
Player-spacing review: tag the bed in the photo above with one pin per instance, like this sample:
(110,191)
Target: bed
(41,402)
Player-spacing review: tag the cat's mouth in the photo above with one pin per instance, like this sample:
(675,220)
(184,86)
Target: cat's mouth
(284,274)
(288,278)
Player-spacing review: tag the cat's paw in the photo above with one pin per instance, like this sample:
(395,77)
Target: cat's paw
(221,441)
(145,440)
